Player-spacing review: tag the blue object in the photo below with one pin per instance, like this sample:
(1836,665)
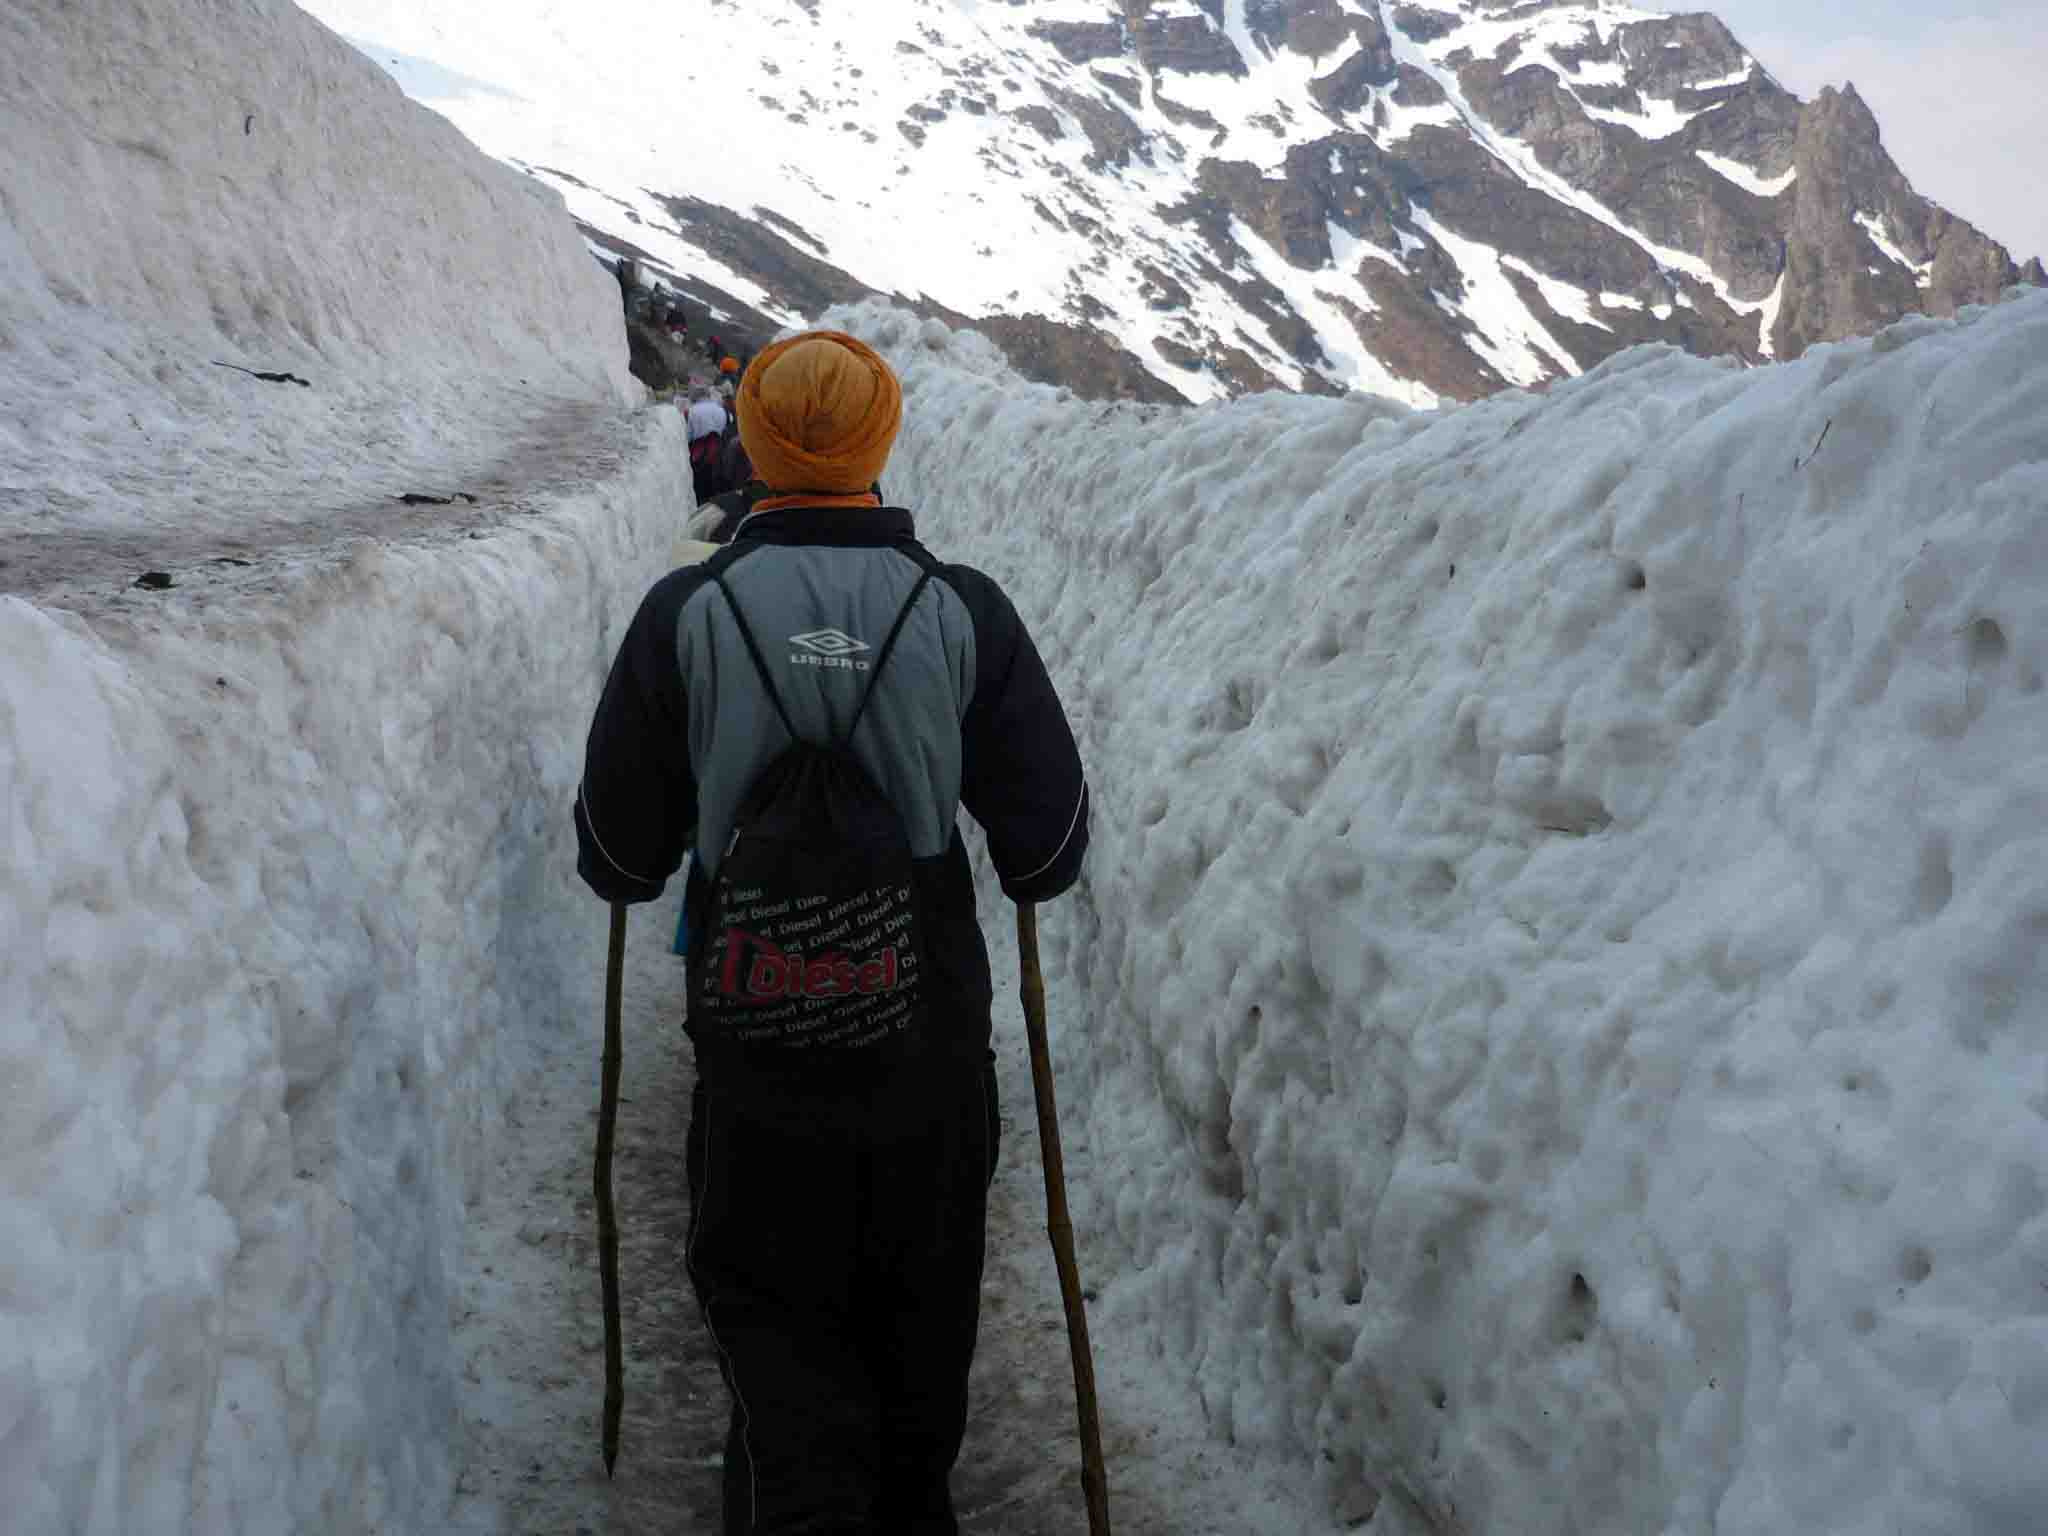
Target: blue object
(682,943)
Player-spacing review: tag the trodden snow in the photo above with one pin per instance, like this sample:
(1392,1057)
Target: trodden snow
(1552,1030)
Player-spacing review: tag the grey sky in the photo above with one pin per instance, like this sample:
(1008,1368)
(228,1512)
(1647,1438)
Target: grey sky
(1958,90)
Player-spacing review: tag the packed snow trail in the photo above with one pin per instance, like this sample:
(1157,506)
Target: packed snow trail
(526,450)
(529,1327)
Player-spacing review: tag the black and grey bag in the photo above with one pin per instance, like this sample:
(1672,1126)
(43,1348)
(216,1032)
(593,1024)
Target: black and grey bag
(811,951)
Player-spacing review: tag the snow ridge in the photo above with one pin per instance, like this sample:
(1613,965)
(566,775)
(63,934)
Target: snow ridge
(1545,1017)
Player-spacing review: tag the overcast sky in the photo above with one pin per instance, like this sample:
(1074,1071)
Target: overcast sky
(1960,91)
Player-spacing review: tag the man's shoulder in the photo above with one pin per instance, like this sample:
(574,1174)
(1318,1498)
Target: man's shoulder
(688,552)
(667,598)
(979,590)
(732,508)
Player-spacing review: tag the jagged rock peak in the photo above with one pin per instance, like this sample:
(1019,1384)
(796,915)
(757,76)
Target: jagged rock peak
(1843,109)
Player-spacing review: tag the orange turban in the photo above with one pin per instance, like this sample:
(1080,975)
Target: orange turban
(819,412)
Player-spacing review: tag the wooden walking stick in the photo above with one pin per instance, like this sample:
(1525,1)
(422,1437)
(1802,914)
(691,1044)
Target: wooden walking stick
(1094,1481)
(607,1224)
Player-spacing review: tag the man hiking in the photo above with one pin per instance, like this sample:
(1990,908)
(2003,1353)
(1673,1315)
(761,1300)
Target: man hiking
(824,670)
(704,423)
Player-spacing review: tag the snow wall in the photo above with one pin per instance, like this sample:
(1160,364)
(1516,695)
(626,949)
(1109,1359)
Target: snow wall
(1556,1017)
(286,867)
(194,182)
(290,894)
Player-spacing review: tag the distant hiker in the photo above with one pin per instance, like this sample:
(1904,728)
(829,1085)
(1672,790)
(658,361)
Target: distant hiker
(678,323)
(716,521)
(735,469)
(843,1126)
(719,519)
(705,424)
(706,416)
(714,349)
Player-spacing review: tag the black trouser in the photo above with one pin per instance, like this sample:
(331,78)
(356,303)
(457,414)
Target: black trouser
(837,1259)
(704,477)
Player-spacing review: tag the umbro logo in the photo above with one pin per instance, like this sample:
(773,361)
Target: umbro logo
(830,642)
(829,648)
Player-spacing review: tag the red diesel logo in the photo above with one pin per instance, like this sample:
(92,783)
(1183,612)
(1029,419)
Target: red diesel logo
(757,971)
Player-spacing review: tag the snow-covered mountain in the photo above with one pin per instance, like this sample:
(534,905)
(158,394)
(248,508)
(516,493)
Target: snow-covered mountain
(1195,198)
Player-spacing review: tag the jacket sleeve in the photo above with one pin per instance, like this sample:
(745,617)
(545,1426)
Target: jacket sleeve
(636,809)
(1021,776)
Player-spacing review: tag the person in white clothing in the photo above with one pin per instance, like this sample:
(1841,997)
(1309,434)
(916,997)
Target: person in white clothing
(706,417)
(706,427)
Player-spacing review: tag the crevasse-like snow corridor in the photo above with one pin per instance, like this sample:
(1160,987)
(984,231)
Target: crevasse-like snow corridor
(1550,1030)
(529,1331)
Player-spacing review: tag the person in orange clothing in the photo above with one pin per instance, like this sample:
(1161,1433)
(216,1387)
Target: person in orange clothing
(838,1199)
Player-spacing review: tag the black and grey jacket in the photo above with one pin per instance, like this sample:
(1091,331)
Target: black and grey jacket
(963,715)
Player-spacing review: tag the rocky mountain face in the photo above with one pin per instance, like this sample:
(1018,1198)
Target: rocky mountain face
(1432,198)
(1833,286)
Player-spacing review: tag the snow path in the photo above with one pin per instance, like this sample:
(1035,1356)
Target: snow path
(529,1326)
(526,451)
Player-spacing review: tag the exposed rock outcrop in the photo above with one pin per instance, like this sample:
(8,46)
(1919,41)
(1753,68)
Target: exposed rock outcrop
(1839,280)
(1114,140)
(1349,86)
(1043,120)
(1411,334)
(1077,356)
(1672,196)
(1082,42)
(1195,45)
(1286,213)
